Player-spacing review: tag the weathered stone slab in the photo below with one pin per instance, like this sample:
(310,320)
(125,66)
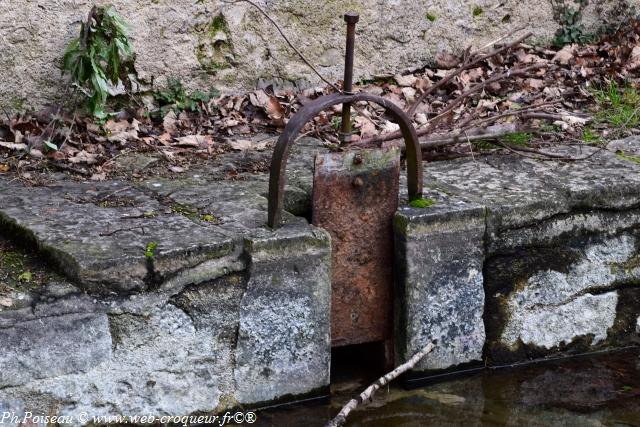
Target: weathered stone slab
(529,200)
(513,194)
(174,357)
(53,346)
(284,332)
(101,240)
(601,180)
(439,295)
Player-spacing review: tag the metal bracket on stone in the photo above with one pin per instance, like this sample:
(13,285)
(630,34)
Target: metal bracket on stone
(346,98)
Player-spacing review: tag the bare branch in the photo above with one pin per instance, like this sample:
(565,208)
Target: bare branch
(455,103)
(367,395)
(302,57)
(412,110)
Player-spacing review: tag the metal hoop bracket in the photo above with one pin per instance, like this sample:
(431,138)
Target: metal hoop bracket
(311,110)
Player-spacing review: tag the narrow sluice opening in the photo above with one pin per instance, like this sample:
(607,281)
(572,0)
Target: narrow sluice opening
(353,365)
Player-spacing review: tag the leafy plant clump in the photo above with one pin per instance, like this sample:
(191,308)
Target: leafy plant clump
(99,56)
(176,98)
(150,249)
(570,19)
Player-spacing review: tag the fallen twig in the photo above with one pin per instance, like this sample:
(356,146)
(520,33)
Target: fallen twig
(367,395)
(521,151)
(67,168)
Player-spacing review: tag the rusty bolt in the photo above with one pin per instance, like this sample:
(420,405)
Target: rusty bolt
(351,18)
(358,182)
(357,159)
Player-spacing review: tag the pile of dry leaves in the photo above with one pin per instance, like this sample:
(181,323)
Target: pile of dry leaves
(506,88)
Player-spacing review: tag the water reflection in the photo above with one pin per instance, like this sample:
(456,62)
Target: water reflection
(601,390)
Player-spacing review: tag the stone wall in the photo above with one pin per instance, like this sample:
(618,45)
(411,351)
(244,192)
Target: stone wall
(516,260)
(221,314)
(232,47)
(520,260)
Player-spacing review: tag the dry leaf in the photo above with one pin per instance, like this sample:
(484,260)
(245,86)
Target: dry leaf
(194,141)
(240,144)
(259,98)
(421,118)
(446,61)
(275,111)
(113,126)
(122,131)
(535,83)
(488,104)
(84,157)
(409,94)
(366,126)
(37,154)
(408,80)
(169,122)
(388,126)
(245,144)
(634,60)
(565,55)
(13,146)
(165,139)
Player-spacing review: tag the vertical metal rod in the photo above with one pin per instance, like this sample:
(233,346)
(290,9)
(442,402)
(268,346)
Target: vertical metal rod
(351,19)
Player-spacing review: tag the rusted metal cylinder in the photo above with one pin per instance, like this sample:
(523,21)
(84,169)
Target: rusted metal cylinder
(351,19)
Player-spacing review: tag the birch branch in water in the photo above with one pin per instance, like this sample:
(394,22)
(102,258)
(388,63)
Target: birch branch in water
(367,395)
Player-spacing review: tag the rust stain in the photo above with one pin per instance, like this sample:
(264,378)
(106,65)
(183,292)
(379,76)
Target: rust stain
(355,196)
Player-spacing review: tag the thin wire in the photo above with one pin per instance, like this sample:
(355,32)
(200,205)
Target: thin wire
(275,24)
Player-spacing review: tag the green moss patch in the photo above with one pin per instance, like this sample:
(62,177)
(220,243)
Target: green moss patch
(23,269)
(422,203)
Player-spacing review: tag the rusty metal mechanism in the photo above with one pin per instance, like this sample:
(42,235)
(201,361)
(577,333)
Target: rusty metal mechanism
(346,98)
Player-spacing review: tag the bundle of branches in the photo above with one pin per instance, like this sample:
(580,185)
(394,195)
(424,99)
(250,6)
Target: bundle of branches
(513,89)
(483,95)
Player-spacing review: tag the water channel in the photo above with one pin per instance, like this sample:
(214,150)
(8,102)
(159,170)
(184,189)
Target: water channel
(596,390)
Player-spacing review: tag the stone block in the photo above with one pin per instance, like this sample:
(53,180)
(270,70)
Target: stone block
(283,338)
(571,298)
(52,346)
(439,295)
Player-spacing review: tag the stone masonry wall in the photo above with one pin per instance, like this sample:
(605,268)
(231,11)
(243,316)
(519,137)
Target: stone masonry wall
(520,259)
(231,46)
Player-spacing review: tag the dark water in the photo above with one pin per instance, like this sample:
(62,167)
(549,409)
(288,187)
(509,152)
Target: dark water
(602,390)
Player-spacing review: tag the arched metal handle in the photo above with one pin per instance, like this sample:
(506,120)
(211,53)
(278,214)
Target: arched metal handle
(311,110)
